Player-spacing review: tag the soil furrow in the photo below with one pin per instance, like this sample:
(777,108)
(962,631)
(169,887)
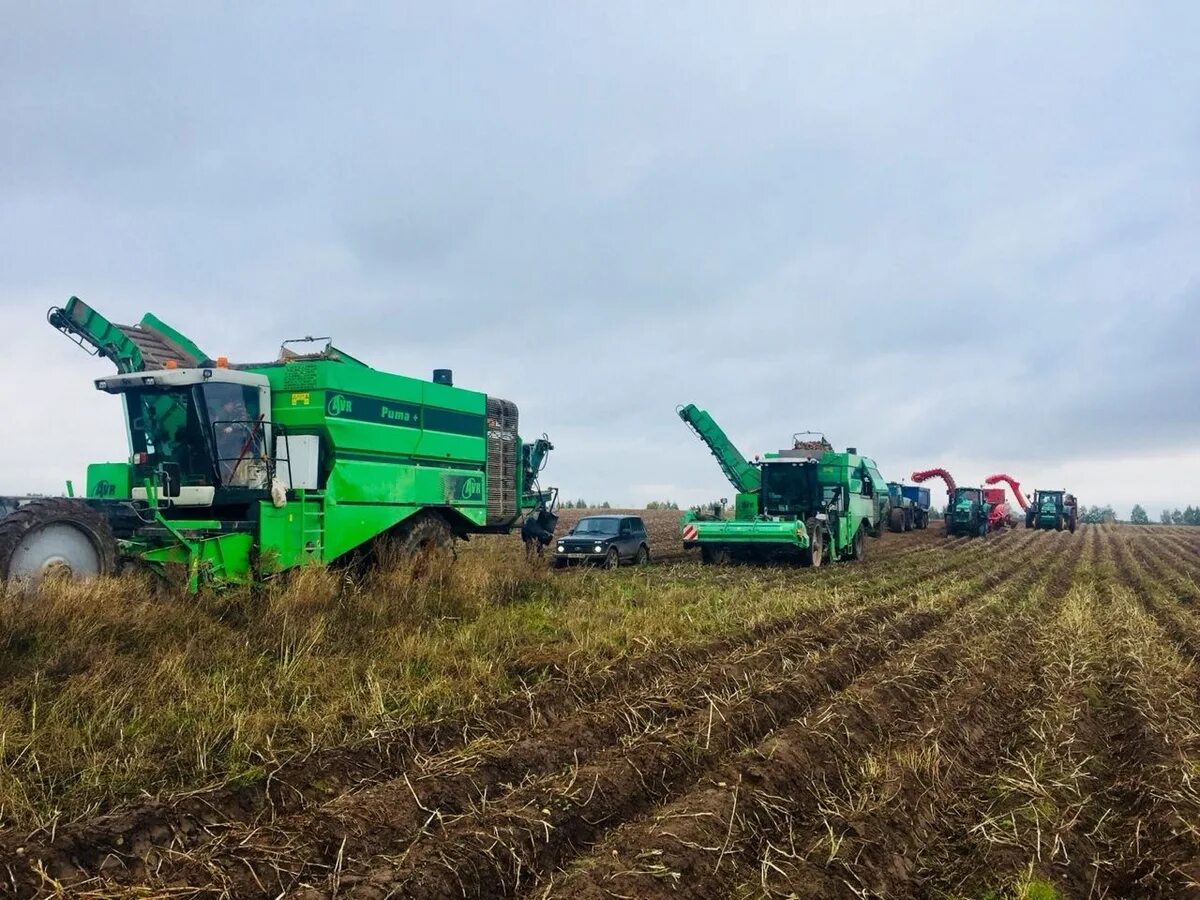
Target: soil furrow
(895,826)
(698,844)
(77,851)
(394,813)
(630,779)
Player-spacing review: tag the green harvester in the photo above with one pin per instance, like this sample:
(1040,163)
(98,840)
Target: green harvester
(237,472)
(807,503)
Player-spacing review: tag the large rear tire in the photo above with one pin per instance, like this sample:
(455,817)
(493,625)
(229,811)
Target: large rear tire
(814,554)
(858,550)
(896,522)
(415,542)
(56,536)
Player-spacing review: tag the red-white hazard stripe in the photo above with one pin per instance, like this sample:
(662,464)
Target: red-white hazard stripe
(690,533)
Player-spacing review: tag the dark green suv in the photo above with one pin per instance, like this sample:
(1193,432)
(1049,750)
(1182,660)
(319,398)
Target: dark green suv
(608,540)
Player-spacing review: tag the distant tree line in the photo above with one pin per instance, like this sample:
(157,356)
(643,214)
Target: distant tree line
(1189,516)
(1097,515)
(583,504)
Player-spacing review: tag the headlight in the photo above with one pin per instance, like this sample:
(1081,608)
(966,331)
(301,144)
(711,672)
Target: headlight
(598,548)
(561,548)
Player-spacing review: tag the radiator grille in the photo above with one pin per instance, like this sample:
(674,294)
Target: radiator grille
(299,376)
(502,500)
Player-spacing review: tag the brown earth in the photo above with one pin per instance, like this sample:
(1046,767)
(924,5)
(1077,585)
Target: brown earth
(1015,716)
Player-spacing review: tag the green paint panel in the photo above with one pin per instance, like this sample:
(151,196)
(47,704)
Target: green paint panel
(110,481)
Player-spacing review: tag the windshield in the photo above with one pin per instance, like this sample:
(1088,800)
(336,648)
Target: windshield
(212,432)
(164,425)
(597,526)
(237,428)
(971,495)
(789,489)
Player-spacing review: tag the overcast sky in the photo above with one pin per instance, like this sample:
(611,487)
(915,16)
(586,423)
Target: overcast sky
(958,235)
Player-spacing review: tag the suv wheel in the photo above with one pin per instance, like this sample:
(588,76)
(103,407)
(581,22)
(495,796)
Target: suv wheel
(643,556)
(612,559)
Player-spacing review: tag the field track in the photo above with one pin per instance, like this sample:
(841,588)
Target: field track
(953,718)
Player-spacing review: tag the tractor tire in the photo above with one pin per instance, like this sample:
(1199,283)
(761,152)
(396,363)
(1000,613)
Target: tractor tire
(908,520)
(643,556)
(414,542)
(812,556)
(858,550)
(715,556)
(612,559)
(56,535)
(877,531)
(897,520)
(428,534)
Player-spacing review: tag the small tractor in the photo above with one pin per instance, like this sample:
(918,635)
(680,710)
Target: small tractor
(806,503)
(968,514)
(972,511)
(910,506)
(1053,509)
(237,472)
(1049,509)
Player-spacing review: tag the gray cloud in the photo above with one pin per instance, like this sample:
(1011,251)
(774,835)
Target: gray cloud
(952,234)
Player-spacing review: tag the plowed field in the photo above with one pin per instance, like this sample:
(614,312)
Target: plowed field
(1017,716)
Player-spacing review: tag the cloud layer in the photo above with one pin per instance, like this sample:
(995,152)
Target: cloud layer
(949,236)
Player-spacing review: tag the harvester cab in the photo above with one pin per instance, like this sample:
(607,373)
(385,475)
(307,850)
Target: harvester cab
(241,471)
(198,437)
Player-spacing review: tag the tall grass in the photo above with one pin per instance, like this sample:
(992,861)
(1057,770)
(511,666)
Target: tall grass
(117,689)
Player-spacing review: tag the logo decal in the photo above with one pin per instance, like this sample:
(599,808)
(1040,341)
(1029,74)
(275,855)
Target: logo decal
(301,399)
(338,405)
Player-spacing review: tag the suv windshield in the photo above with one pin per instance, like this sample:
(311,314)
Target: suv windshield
(598,525)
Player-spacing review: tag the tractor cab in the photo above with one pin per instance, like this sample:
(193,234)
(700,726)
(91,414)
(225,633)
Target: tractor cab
(1051,502)
(967,496)
(197,437)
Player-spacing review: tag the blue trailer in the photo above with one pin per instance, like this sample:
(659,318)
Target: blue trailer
(910,506)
